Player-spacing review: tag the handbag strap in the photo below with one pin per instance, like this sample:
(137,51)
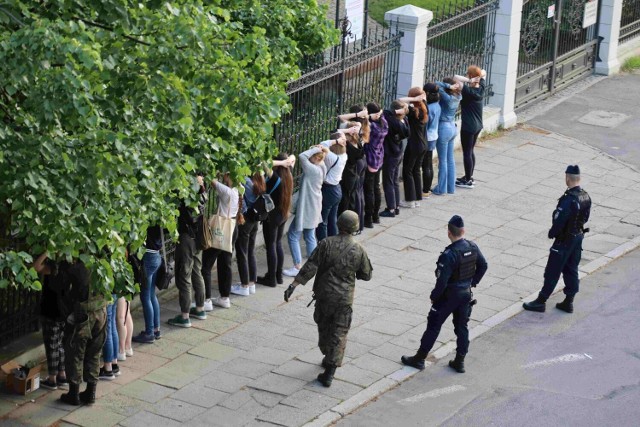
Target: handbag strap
(164,253)
(275,186)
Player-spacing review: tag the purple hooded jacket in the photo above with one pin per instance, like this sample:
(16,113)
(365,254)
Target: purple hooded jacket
(374,150)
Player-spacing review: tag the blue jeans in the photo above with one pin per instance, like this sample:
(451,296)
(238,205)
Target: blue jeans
(331,196)
(150,307)
(294,242)
(446,163)
(110,348)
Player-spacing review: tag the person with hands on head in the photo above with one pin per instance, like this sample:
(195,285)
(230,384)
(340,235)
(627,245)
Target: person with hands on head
(308,206)
(449,91)
(280,188)
(472,105)
(336,264)
(374,153)
(433,104)
(459,268)
(416,147)
(398,131)
(332,187)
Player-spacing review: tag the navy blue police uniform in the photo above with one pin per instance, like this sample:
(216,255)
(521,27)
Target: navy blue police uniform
(567,230)
(460,267)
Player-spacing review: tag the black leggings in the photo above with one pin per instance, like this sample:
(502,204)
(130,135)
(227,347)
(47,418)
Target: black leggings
(411,174)
(272,232)
(427,171)
(209,257)
(468,141)
(372,194)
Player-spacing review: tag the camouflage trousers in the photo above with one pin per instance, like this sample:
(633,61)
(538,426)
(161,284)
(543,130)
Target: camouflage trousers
(333,323)
(83,341)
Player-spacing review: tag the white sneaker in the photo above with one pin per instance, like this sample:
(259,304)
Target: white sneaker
(208,306)
(122,357)
(238,289)
(416,204)
(221,302)
(252,289)
(408,205)
(291,272)
(129,352)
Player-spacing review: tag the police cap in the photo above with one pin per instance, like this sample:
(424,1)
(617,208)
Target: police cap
(457,221)
(573,170)
(348,222)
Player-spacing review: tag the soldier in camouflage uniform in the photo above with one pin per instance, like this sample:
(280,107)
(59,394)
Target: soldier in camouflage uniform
(84,333)
(338,262)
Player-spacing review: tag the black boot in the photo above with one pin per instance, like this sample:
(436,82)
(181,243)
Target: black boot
(376,218)
(368,221)
(457,363)
(326,378)
(566,305)
(88,396)
(324,363)
(416,361)
(536,305)
(72,397)
(266,280)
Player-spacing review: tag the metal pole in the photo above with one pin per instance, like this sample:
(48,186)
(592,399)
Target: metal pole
(365,25)
(557,19)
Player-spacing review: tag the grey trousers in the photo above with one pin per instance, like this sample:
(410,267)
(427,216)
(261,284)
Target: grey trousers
(188,265)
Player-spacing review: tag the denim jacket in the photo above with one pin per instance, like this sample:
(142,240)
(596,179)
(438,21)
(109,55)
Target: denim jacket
(448,103)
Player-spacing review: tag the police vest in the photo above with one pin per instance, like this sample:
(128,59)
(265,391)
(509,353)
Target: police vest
(575,224)
(466,267)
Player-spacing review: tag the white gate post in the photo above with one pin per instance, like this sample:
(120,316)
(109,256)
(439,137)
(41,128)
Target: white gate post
(504,68)
(413,22)
(609,30)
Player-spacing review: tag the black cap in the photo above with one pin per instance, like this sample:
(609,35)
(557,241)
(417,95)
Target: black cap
(430,87)
(573,170)
(457,221)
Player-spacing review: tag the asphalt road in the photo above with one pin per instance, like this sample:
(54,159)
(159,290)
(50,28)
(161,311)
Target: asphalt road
(537,369)
(605,116)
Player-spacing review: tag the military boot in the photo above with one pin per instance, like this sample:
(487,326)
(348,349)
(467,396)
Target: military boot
(326,378)
(88,397)
(458,363)
(536,305)
(416,361)
(566,305)
(72,397)
(324,363)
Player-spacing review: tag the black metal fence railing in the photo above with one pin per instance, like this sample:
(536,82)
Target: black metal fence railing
(630,23)
(351,73)
(19,309)
(461,34)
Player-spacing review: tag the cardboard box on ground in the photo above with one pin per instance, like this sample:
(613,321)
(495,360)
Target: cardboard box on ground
(22,379)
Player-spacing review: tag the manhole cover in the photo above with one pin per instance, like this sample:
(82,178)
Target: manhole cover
(605,119)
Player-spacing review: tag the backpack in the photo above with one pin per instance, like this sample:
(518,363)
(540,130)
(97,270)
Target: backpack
(263,204)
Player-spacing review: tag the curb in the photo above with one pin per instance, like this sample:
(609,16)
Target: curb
(363,397)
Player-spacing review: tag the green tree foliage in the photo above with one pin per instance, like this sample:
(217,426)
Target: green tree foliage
(108,107)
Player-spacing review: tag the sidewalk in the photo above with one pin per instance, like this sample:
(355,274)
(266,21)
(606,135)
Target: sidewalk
(256,362)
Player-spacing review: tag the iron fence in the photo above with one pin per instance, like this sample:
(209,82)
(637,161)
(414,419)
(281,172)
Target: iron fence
(348,74)
(19,309)
(462,33)
(630,23)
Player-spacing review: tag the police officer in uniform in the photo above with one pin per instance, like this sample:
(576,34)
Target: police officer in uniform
(572,212)
(460,267)
(336,262)
(84,333)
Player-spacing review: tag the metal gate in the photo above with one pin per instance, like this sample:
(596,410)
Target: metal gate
(555,46)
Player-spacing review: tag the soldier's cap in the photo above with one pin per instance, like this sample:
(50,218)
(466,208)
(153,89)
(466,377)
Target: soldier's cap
(457,221)
(349,222)
(573,170)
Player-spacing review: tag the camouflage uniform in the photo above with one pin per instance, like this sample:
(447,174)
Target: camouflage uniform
(84,333)
(338,261)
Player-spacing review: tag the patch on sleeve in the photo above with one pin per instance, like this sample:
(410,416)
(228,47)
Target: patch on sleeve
(556,214)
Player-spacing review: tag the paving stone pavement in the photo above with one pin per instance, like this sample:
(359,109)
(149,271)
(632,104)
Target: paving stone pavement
(255,364)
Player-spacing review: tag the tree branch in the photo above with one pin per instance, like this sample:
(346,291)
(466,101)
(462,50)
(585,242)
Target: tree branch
(108,28)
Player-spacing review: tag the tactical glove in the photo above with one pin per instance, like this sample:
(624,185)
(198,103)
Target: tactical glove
(288,292)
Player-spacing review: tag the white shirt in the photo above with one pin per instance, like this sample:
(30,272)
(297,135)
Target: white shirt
(334,170)
(228,200)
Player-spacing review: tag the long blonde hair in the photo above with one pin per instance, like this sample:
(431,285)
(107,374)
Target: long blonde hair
(364,121)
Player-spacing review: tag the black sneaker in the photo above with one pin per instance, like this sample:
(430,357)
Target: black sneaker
(265,281)
(465,184)
(387,213)
(106,375)
(397,211)
(62,382)
(115,369)
(157,334)
(143,337)
(48,384)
